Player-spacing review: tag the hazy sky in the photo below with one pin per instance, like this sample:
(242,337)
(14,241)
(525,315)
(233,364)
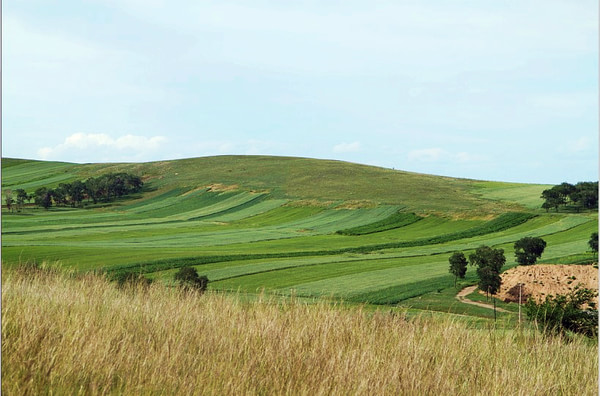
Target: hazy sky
(495,90)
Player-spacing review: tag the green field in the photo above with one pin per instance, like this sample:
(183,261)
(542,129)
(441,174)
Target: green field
(311,228)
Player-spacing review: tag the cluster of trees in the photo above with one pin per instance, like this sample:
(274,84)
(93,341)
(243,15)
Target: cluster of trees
(583,195)
(16,200)
(489,262)
(105,188)
(575,312)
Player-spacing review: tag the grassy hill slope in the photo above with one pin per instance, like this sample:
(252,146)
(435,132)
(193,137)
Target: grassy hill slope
(276,223)
(282,177)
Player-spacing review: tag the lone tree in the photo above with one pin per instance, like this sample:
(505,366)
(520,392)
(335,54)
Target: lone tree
(458,266)
(529,249)
(188,278)
(489,262)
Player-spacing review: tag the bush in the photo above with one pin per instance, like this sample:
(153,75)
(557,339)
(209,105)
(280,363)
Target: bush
(131,279)
(566,313)
(188,277)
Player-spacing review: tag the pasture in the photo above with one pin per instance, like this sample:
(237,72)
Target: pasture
(289,226)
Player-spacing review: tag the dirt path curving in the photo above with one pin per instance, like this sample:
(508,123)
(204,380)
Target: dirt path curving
(462,297)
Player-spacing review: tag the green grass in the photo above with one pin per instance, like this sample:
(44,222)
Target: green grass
(297,226)
(396,220)
(527,195)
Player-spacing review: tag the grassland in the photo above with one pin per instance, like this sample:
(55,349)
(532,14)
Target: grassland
(81,334)
(291,226)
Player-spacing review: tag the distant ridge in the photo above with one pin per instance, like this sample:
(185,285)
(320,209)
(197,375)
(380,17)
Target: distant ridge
(291,178)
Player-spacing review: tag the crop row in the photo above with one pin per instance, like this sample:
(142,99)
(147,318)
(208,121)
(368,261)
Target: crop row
(396,220)
(503,222)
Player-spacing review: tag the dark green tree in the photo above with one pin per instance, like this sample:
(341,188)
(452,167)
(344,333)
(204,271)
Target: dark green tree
(489,280)
(593,242)
(565,190)
(61,194)
(458,265)
(188,278)
(529,249)
(588,194)
(21,198)
(43,197)
(92,187)
(552,199)
(76,192)
(489,263)
(486,256)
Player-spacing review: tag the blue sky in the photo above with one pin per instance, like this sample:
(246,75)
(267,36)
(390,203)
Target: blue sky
(494,90)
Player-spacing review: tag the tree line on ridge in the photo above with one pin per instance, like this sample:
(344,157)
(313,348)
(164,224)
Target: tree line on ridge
(583,195)
(104,188)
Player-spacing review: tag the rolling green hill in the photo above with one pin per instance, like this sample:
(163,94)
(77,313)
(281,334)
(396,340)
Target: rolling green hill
(287,225)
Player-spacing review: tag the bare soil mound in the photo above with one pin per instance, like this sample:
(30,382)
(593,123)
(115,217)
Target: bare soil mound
(542,280)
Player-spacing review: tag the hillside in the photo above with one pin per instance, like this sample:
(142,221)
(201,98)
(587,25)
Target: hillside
(288,178)
(288,225)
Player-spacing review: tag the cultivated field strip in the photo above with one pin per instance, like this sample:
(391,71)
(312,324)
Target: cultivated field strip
(224,205)
(30,175)
(384,248)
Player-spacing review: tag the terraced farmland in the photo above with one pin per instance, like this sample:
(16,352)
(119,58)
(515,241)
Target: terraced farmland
(297,226)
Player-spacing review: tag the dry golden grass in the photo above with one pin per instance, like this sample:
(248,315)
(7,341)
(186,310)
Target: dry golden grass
(67,335)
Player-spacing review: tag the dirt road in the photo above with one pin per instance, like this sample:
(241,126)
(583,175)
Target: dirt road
(462,297)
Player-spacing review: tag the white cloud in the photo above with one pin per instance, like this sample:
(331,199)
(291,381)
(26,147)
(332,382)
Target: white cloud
(464,157)
(346,147)
(427,155)
(90,147)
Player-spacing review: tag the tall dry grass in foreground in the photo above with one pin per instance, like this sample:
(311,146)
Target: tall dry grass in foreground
(62,335)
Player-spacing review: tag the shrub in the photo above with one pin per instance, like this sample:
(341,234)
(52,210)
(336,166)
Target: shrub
(131,279)
(188,277)
(564,313)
